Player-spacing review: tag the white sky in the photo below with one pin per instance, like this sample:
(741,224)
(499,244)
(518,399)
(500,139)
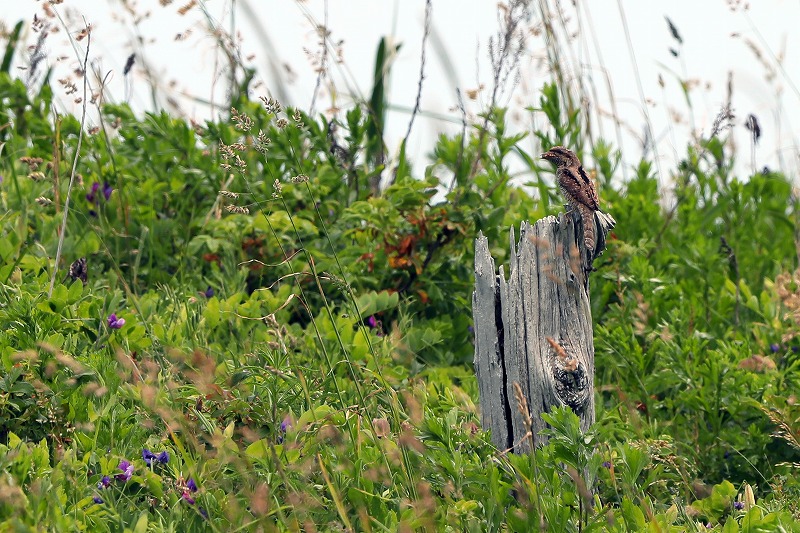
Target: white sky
(276,33)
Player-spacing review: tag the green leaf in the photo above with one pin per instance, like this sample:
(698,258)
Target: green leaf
(211,313)
(258,450)
(633,516)
(375,302)
(141,524)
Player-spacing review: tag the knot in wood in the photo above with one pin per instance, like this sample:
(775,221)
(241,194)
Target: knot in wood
(570,379)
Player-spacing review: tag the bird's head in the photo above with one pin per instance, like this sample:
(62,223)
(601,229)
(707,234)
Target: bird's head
(561,156)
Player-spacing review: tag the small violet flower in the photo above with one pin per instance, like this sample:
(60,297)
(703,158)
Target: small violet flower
(91,196)
(114,322)
(104,483)
(127,471)
(191,487)
(375,324)
(286,425)
(606,464)
(148,457)
(203,512)
(209,292)
(774,348)
(97,499)
(738,505)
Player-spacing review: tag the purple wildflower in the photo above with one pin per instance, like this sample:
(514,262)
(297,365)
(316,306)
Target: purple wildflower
(606,464)
(286,425)
(209,292)
(774,348)
(104,483)
(738,505)
(148,457)
(127,471)
(203,512)
(91,196)
(191,487)
(97,499)
(107,190)
(114,322)
(375,324)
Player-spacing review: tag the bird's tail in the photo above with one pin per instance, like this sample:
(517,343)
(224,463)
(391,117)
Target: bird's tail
(603,224)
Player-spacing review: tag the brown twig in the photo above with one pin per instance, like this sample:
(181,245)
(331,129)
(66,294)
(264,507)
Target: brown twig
(426,32)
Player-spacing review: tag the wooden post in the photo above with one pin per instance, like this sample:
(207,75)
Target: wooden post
(535,328)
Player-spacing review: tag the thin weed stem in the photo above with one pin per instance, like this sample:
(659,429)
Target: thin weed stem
(317,332)
(322,71)
(609,86)
(643,100)
(426,32)
(522,407)
(64,217)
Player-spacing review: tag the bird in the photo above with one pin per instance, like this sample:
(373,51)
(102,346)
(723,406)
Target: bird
(581,195)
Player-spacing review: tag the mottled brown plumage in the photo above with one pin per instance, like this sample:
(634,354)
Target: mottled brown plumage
(579,192)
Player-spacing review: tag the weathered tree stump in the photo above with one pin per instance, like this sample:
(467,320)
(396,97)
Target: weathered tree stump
(535,328)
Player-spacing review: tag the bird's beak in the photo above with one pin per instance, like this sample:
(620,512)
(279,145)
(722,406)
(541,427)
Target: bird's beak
(545,155)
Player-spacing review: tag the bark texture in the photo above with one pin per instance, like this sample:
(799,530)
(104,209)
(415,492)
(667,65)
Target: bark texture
(534,328)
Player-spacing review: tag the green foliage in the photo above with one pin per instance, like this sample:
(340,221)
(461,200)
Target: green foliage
(298,341)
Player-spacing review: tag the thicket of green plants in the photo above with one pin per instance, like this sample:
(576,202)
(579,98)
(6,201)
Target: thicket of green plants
(266,341)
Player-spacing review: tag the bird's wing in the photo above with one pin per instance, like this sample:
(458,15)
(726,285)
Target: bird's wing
(578,184)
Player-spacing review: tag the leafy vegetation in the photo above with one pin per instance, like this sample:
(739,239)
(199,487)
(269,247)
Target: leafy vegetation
(263,341)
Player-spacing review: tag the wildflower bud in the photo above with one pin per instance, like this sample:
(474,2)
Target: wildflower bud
(298,118)
(271,105)
(237,210)
(749,498)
